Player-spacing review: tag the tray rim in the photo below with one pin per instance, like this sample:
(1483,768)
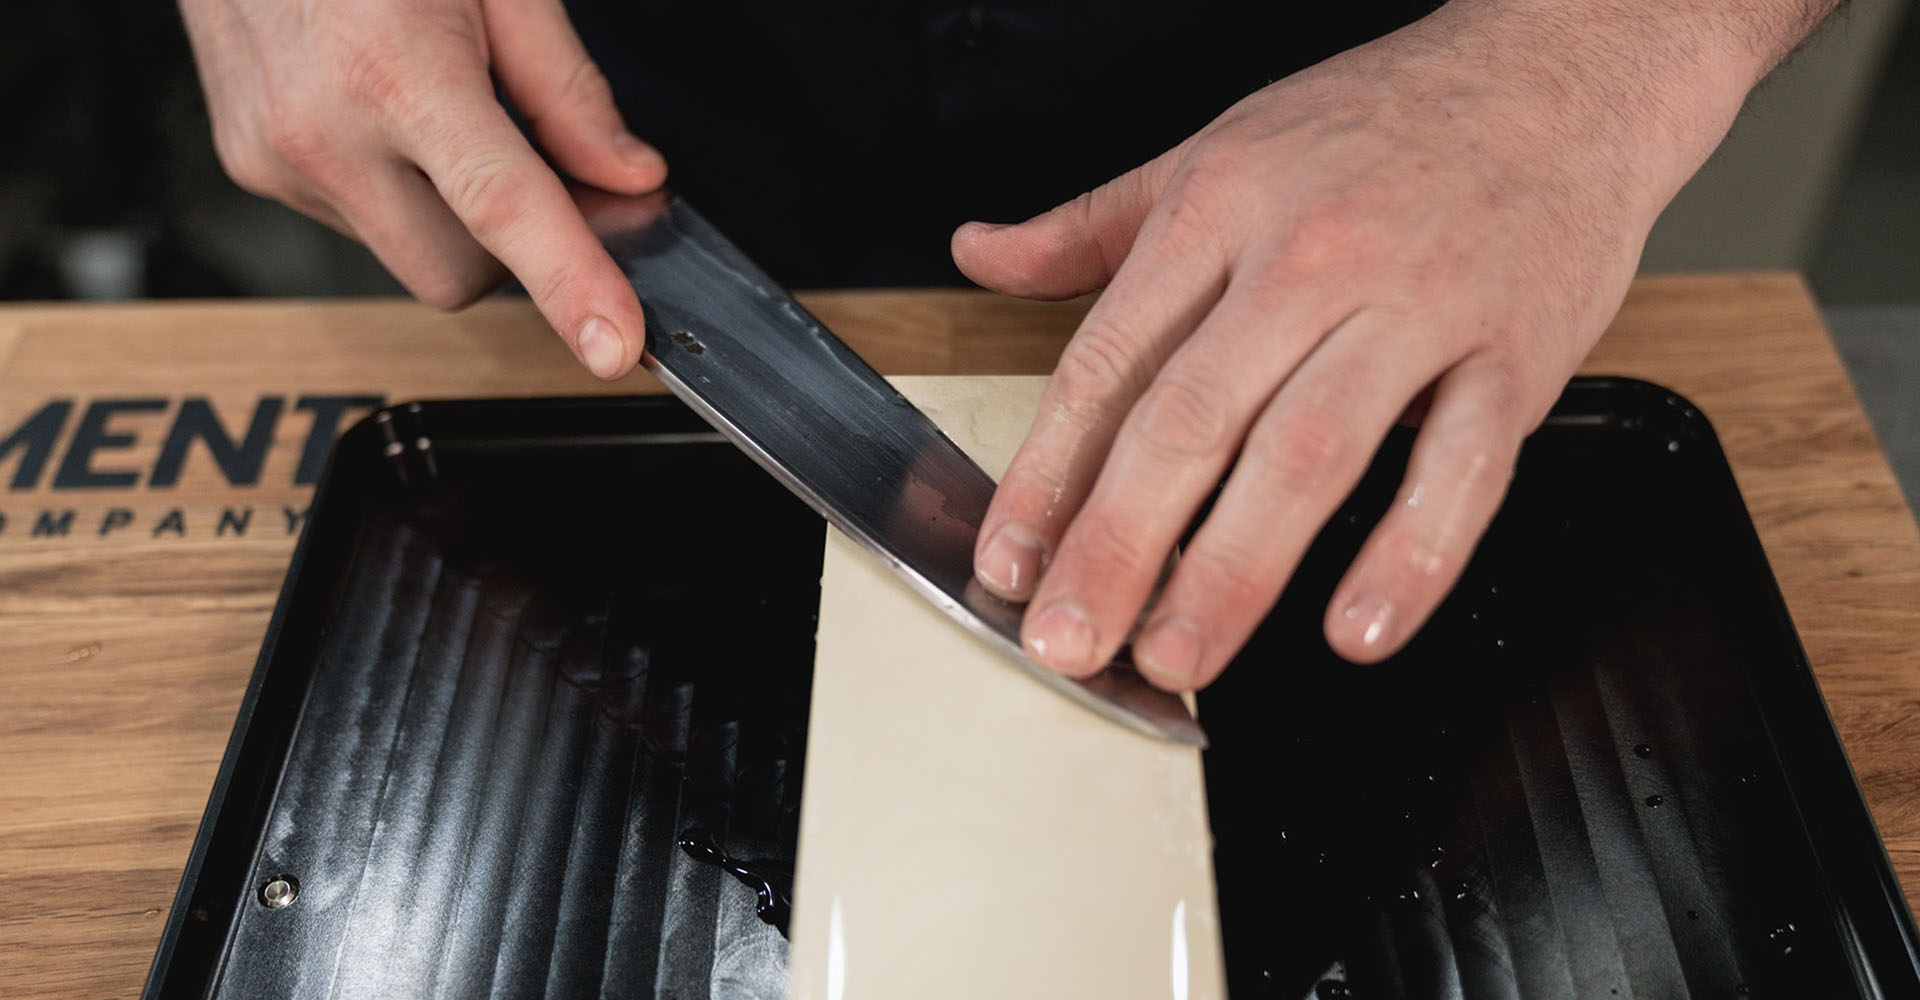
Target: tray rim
(1813,747)
(194,902)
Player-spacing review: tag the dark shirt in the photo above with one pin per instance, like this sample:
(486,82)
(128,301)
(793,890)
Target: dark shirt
(841,143)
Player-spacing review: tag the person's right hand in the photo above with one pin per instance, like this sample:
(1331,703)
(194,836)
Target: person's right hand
(379,118)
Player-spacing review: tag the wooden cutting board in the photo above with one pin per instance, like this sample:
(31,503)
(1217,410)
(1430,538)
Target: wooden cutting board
(134,590)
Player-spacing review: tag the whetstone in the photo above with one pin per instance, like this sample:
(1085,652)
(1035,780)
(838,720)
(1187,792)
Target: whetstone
(966,832)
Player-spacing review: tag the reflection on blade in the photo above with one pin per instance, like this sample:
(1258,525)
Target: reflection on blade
(737,348)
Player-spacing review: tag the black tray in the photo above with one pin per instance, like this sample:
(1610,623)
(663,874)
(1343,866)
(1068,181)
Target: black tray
(530,717)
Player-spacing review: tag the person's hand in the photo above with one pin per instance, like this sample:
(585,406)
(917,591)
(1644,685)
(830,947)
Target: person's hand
(379,118)
(1441,222)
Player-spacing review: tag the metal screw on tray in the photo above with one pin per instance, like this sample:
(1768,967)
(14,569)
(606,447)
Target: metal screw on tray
(279,892)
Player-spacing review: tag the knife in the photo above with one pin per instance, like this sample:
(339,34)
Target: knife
(733,345)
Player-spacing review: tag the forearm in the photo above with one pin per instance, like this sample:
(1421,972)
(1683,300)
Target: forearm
(1659,81)
(1734,43)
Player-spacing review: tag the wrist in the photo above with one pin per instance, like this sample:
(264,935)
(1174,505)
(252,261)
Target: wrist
(1656,84)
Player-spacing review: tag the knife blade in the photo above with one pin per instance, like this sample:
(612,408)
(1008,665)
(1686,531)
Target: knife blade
(737,348)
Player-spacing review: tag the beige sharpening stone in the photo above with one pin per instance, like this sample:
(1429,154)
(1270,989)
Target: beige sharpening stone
(967,833)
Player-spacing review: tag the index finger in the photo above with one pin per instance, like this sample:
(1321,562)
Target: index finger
(518,209)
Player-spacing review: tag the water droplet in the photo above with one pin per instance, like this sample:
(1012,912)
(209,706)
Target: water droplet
(1742,990)
(1435,855)
(1693,914)
(1782,938)
(1461,890)
(1332,989)
(1642,751)
(1655,801)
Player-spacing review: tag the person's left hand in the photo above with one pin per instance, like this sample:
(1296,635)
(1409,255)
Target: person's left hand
(1443,220)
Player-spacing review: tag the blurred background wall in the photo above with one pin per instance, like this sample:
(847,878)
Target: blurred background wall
(108,183)
(1821,174)
(109,187)
(1804,152)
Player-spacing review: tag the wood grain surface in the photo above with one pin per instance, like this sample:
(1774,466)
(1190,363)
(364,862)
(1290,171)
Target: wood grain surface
(128,630)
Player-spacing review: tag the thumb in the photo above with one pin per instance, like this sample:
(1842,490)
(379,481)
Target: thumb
(1070,250)
(560,91)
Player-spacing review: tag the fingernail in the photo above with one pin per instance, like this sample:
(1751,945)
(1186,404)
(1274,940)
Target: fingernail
(1373,616)
(599,348)
(636,152)
(1061,636)
(1010,562)
(988,227)
(1169,652)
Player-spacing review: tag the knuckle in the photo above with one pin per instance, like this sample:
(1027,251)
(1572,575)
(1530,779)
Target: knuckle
(483,193)
(1502,389)
(1273,283)
(1228,580)
(1209,177)
(1306,444)
(587,86)
(1425,551)
(241,156)
(1488,468)
(1437,274)
(1105,545)
(583,88)
(1205,190)
(1324,239)
(1181,419)
(248,170)
(554,286)
(1031,488)
(1083,215)
(376,74)
(1439,516)
(1477,470)
(446,290)
(301,147)
(1084,210)
(395,71)
(1097,363)
(405,80)
(1324,245)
